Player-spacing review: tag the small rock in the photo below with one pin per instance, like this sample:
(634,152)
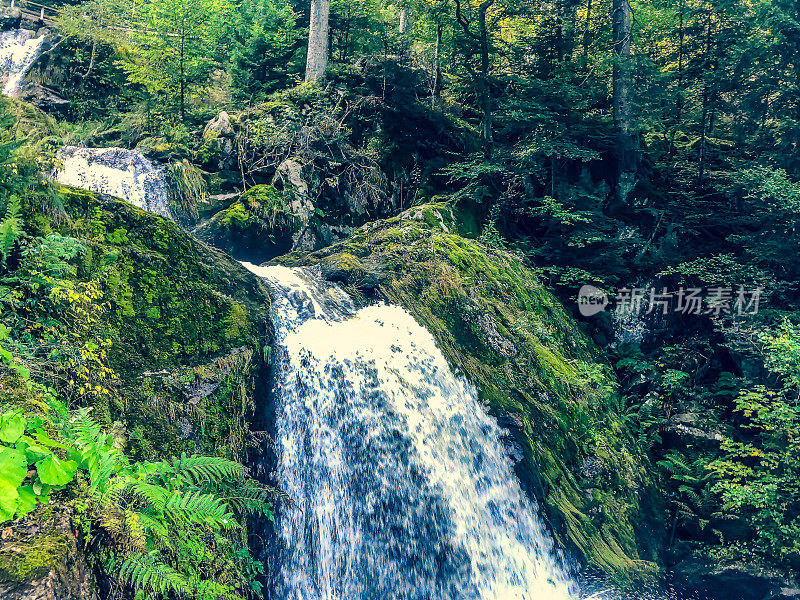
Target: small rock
(10,18)
(219,126)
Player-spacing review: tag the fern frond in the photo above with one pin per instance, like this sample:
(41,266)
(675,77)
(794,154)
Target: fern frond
(254,498)
(195,470)
(153,495)
(146,572)
(201,508)
(10,228)
(96,449)
(155,530)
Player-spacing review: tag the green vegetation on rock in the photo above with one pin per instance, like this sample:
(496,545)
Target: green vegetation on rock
(533,367)
(259,222)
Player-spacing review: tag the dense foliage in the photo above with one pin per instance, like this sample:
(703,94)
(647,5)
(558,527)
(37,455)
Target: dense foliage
(608,143)
(171,525)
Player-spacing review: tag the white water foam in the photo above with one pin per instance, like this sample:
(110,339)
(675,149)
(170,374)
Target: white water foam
(18,51)
(403,486)
(119,172)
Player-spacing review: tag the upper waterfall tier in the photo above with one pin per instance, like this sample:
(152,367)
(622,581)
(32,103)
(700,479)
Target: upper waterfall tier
(19,49)
(126,174)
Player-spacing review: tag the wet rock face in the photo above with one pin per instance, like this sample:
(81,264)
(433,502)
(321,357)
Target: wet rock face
(10,18)
(736,582)
(41,563)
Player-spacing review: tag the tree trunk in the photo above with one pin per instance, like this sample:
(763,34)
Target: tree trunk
(701,167)
(628,150)
(317,59)
(183,77)
(484,89)
(559,32)
(405,28)
(482,84)
(437,68)
(587,31)
(681,36)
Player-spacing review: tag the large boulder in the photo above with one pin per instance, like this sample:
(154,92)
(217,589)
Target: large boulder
(218,143)
(176,308)
(257,225)
(41,558)
(703,578)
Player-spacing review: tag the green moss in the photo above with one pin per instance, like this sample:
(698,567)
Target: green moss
(33,558)
(235,215)
(173,304)
(260,221)
(528,358)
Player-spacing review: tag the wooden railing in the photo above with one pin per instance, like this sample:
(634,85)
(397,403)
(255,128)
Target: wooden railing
(33,11)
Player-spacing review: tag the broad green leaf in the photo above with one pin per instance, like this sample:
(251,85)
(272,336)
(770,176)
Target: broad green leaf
(53,471)
(27,500)
(33,451)
(12,425)
(13,469)
(22,371)
(41,490)
(41,436)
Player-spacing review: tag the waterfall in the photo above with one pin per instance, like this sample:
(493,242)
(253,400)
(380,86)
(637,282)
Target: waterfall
(404,490)
(634,320)
(119,172)
(18,51)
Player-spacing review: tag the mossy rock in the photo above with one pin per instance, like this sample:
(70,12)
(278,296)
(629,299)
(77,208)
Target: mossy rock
(160,149)
(533,367)
(257,225)
(33,559)
(351,270)
(173,305)
(40,557)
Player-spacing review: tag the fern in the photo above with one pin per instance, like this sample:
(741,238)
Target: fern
(195,470)
(154,495)
(10,228)
(253,498)
(155,529)
(201,508)
(148,572)
(96,449)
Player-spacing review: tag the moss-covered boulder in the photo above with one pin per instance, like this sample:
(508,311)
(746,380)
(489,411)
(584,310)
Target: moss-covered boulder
(186,327)
(257,225)
(532,364)
(41,557)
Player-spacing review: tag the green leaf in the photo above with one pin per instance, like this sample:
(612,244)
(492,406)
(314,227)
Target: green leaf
(27,500)
(53,471)
(41,490)
(12,425)
(13,469)
(33,451)
(22,371)
(42,437)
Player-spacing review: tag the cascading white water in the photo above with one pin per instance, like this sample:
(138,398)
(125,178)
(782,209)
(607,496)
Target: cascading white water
(632,319)
(18,51)
(403,487)
(126,174)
